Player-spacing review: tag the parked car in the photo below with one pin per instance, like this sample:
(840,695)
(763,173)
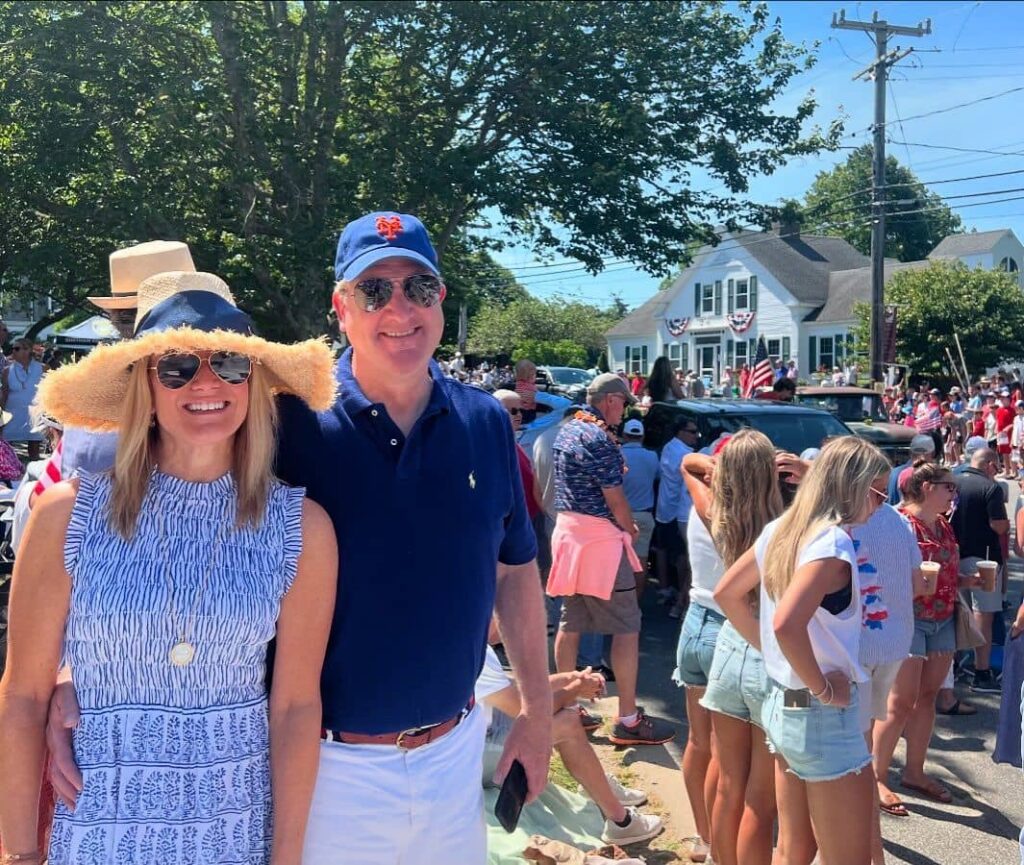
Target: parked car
(793,428)
(862,411)
(565,381)
(550,408)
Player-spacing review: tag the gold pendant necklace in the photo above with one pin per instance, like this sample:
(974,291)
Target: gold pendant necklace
(183,652)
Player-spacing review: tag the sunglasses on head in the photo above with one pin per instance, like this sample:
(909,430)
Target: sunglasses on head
(175,370)
(375,293)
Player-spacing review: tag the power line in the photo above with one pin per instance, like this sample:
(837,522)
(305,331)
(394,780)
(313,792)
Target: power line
(977,101)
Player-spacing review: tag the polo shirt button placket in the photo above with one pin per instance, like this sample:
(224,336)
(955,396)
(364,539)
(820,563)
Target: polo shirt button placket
(374,412)
(394,442)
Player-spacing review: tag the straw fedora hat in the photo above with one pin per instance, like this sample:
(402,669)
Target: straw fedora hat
(133,264)
(182,312)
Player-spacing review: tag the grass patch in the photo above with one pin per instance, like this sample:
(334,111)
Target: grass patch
(558,774)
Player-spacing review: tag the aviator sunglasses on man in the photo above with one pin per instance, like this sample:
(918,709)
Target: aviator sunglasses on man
(176,369)
(374,293)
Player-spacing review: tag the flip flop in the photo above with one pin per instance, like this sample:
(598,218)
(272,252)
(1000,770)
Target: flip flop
(958,708)
(938,793)
(892,805)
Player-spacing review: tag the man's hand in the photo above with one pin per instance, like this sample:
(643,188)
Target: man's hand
(61,720)
(529,742)
(790,468)
(587,685)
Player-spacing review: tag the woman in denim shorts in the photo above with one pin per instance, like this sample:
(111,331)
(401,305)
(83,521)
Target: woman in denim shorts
(809,634)
(927,494)
(744,497)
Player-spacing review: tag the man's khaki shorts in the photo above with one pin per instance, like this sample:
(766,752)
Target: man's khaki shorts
(620,614)
(645,522)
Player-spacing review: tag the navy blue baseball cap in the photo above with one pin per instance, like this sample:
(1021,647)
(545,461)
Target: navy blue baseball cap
(377,236)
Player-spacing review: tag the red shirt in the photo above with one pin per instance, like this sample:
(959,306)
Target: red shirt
(1004,418)
(526,473)
(938,545)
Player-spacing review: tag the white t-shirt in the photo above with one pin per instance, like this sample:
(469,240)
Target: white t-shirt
(835,640)
(706,566)
(492,679)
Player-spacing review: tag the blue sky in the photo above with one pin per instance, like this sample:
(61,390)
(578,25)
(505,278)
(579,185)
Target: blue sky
(976,49)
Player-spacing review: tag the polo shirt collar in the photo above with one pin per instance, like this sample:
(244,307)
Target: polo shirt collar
(596,412)
(354,401)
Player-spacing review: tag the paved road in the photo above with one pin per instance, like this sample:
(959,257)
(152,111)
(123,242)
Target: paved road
(980,827)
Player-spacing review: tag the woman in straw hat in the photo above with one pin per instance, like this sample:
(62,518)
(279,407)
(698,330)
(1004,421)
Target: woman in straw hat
(160,583)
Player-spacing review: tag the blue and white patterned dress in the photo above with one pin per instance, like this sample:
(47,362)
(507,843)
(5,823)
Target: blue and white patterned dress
(176,760)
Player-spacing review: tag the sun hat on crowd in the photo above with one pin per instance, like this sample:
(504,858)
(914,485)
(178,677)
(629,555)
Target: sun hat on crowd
(633,427)
(607,383)
(385,234)
(130,266)
(182,312)
(922,444)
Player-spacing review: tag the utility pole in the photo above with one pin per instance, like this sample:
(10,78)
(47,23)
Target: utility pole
(884,59)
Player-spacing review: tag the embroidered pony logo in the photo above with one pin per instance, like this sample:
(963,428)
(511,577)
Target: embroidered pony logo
(389,227)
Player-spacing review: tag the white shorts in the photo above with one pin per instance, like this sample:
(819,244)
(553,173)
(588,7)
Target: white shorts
(379,805)
(874,693)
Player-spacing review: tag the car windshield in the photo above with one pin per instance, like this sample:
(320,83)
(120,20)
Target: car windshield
(569,375)
(848,407)
(794,433)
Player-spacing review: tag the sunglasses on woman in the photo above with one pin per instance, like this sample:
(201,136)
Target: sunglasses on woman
(176,369)
(375,293)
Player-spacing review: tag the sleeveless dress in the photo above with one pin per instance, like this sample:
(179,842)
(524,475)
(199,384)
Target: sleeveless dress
(22,384)
(176,760)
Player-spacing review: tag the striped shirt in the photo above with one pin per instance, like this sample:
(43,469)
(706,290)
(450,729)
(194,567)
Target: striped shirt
(527,391)
(887,553)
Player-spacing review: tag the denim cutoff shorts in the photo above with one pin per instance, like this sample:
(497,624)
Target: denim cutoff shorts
(820,743)
(737,682)
(932,637)
(696,646)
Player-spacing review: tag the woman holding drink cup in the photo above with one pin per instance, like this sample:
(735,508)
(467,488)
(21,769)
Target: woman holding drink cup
(928,493)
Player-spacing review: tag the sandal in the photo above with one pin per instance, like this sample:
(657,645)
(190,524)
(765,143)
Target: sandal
(892,805)
(932,790)
(958,708)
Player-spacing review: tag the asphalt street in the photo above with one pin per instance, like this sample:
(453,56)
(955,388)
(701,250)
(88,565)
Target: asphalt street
(982,824)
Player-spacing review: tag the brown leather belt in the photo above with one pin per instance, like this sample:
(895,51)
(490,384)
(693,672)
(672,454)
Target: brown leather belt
(407,740)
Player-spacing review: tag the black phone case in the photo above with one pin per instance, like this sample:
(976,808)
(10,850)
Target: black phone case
(511,797)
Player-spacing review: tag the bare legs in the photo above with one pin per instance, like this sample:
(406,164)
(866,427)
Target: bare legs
(577,753)
(697,759)
(796,836)
(841,815)
(922,720)
(743,810)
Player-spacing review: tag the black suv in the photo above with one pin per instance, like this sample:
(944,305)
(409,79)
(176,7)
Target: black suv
(793,428)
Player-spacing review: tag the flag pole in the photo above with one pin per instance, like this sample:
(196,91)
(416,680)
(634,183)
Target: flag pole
(967,374)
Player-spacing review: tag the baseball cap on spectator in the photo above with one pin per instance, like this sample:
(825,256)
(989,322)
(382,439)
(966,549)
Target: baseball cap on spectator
(922,444)
(974,443)
(377,236)
(607,383)
(633,427)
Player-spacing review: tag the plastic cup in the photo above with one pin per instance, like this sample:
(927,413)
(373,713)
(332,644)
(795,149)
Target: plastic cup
(930,575)
(988,570)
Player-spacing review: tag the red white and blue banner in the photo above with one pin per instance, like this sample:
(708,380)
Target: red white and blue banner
(740,321)
(677,326)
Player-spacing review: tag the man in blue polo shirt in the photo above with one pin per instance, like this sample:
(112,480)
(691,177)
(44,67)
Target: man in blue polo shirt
(420,477)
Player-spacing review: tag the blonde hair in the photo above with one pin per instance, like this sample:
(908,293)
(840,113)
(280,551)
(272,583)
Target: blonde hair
(745,493)
(833,493)
(252,455)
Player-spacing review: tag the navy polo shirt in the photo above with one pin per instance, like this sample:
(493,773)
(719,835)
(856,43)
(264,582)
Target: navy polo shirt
(422,523)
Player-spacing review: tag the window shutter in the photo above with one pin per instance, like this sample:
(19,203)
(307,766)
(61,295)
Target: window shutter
(685,357)
(643,360)
(626,359)
(696,294)
(730,352)
(785,348)
(812,354)
(838,345)
(718,297)
(751,350)
(731,294)
(752,293)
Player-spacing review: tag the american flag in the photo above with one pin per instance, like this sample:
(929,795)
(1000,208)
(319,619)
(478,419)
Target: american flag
(762,374)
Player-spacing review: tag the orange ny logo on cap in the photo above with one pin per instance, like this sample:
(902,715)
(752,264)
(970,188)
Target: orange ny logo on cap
(388,227)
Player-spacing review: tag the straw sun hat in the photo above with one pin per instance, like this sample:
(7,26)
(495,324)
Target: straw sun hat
(182,312)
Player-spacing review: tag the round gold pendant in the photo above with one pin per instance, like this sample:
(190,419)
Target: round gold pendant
(182,653)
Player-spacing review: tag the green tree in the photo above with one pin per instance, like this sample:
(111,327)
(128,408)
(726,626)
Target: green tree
(519,327)
(561,352)
(984,307)
(839,203)
(253,130)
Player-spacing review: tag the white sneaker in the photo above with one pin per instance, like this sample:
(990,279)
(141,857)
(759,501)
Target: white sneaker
(701,851)
(640,828)
(627,796)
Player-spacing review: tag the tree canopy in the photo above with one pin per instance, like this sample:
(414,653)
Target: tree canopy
(839,203)
(552,331)
(984,307)
(254,130)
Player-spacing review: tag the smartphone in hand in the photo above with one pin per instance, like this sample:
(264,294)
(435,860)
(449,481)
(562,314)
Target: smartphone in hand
(511,797)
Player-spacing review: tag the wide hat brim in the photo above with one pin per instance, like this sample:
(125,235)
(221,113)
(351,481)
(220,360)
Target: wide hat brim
(115,301)
(91,393)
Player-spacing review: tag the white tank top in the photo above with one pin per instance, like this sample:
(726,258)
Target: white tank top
(706,566)
(834,639)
